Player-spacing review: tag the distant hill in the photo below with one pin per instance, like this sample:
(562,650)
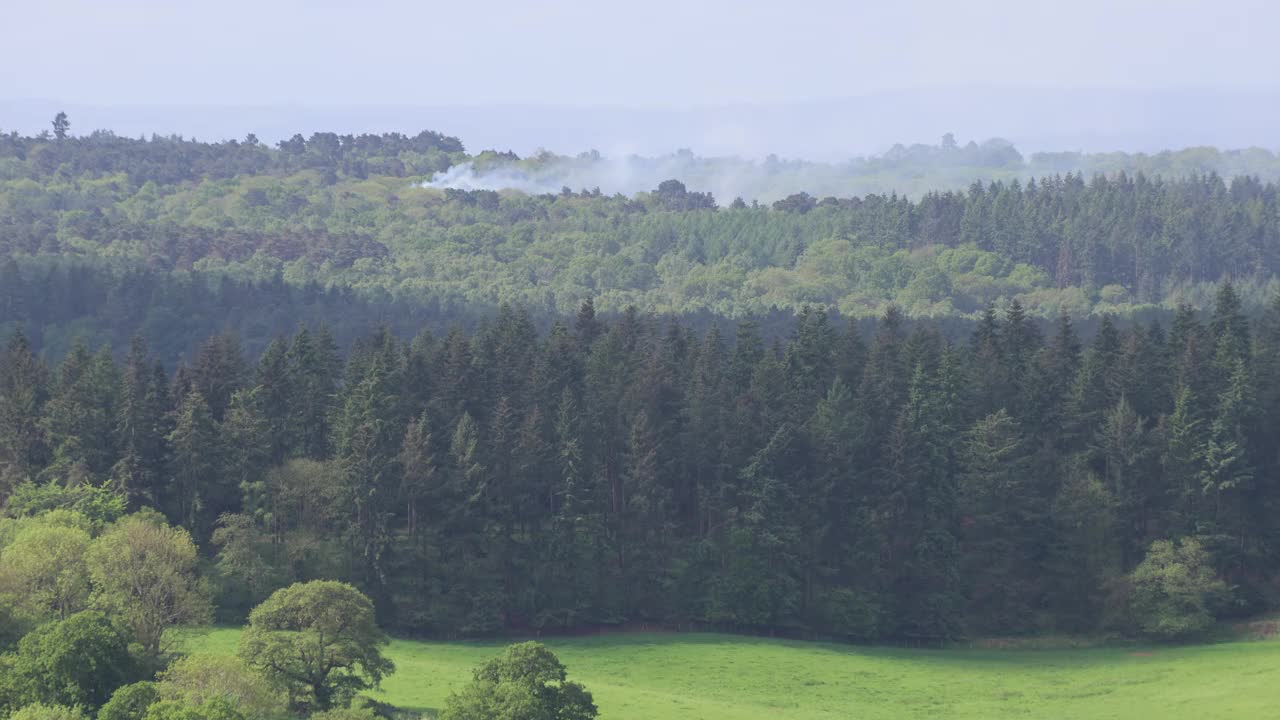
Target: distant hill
(1033,119)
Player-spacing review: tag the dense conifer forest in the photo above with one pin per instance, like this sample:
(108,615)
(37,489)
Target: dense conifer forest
(900,485)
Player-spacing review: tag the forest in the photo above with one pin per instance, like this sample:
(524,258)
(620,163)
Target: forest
(306,390)
(1092,235)
(636,471)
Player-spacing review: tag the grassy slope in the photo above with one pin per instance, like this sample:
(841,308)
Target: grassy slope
(719,677)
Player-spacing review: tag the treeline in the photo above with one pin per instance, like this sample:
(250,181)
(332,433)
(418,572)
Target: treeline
(891,486)
(1062,244)
(174,159)
(57,304)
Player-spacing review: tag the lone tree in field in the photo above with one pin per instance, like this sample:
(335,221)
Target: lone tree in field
(319,641)
(526,683)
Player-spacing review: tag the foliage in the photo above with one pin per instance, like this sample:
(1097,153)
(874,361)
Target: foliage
(101,505)
(526,683)
(195,680)
(43,570)
(319,641)
(79,661)
(103,242)
(39,711)
(1175,590)
(212,709)
(363,712)
(884,480)
(129,702)
(144,574)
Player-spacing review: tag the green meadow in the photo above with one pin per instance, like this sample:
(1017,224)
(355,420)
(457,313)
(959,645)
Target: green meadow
(723,677)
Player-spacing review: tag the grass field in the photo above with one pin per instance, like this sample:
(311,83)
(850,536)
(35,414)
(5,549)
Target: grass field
(723,677)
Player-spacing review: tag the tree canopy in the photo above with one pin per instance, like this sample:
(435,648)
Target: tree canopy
(318,640)
(527,682)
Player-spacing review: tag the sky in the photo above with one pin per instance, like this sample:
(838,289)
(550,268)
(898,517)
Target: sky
(801,78)
(651,54)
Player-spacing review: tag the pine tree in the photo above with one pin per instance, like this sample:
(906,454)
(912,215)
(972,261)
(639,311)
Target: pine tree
(140,429)
(851,356)
(648,536)
(248,450)
(748,351)
(424,501)
(990,377)
(1020,343)
(884,382)
(571,558)
(1003,540)
(810,360)
(312,382)
(1182,465)
(1229,327)
(1266,372)
(761,587)
(586,327)
(79,417)
(1227,477)
(24,389)
(706,440)
(273,381)
(456,374)
(1124,446)
(837,521)
(367,442)
(418,465)
(219,371)
(920,505)
(196,465)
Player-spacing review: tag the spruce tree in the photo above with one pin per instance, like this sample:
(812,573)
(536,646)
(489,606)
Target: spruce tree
(196,466)
(140,429)
(24,389)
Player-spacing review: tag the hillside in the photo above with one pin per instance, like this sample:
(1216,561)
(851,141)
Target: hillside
(354,220)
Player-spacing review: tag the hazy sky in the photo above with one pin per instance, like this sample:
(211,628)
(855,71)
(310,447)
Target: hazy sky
(646,54)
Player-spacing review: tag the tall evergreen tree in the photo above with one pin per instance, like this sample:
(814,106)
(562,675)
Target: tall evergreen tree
(24,389)
(196,466)
(140,428)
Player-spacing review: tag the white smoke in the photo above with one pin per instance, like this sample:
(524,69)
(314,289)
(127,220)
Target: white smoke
(464,177)
(725,178)
(906,170)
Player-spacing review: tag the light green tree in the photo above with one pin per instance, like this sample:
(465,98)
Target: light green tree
(319,641)
(527,682)
(144,574)
(40,711)
(195,680)
(1175,590)
(43,572)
